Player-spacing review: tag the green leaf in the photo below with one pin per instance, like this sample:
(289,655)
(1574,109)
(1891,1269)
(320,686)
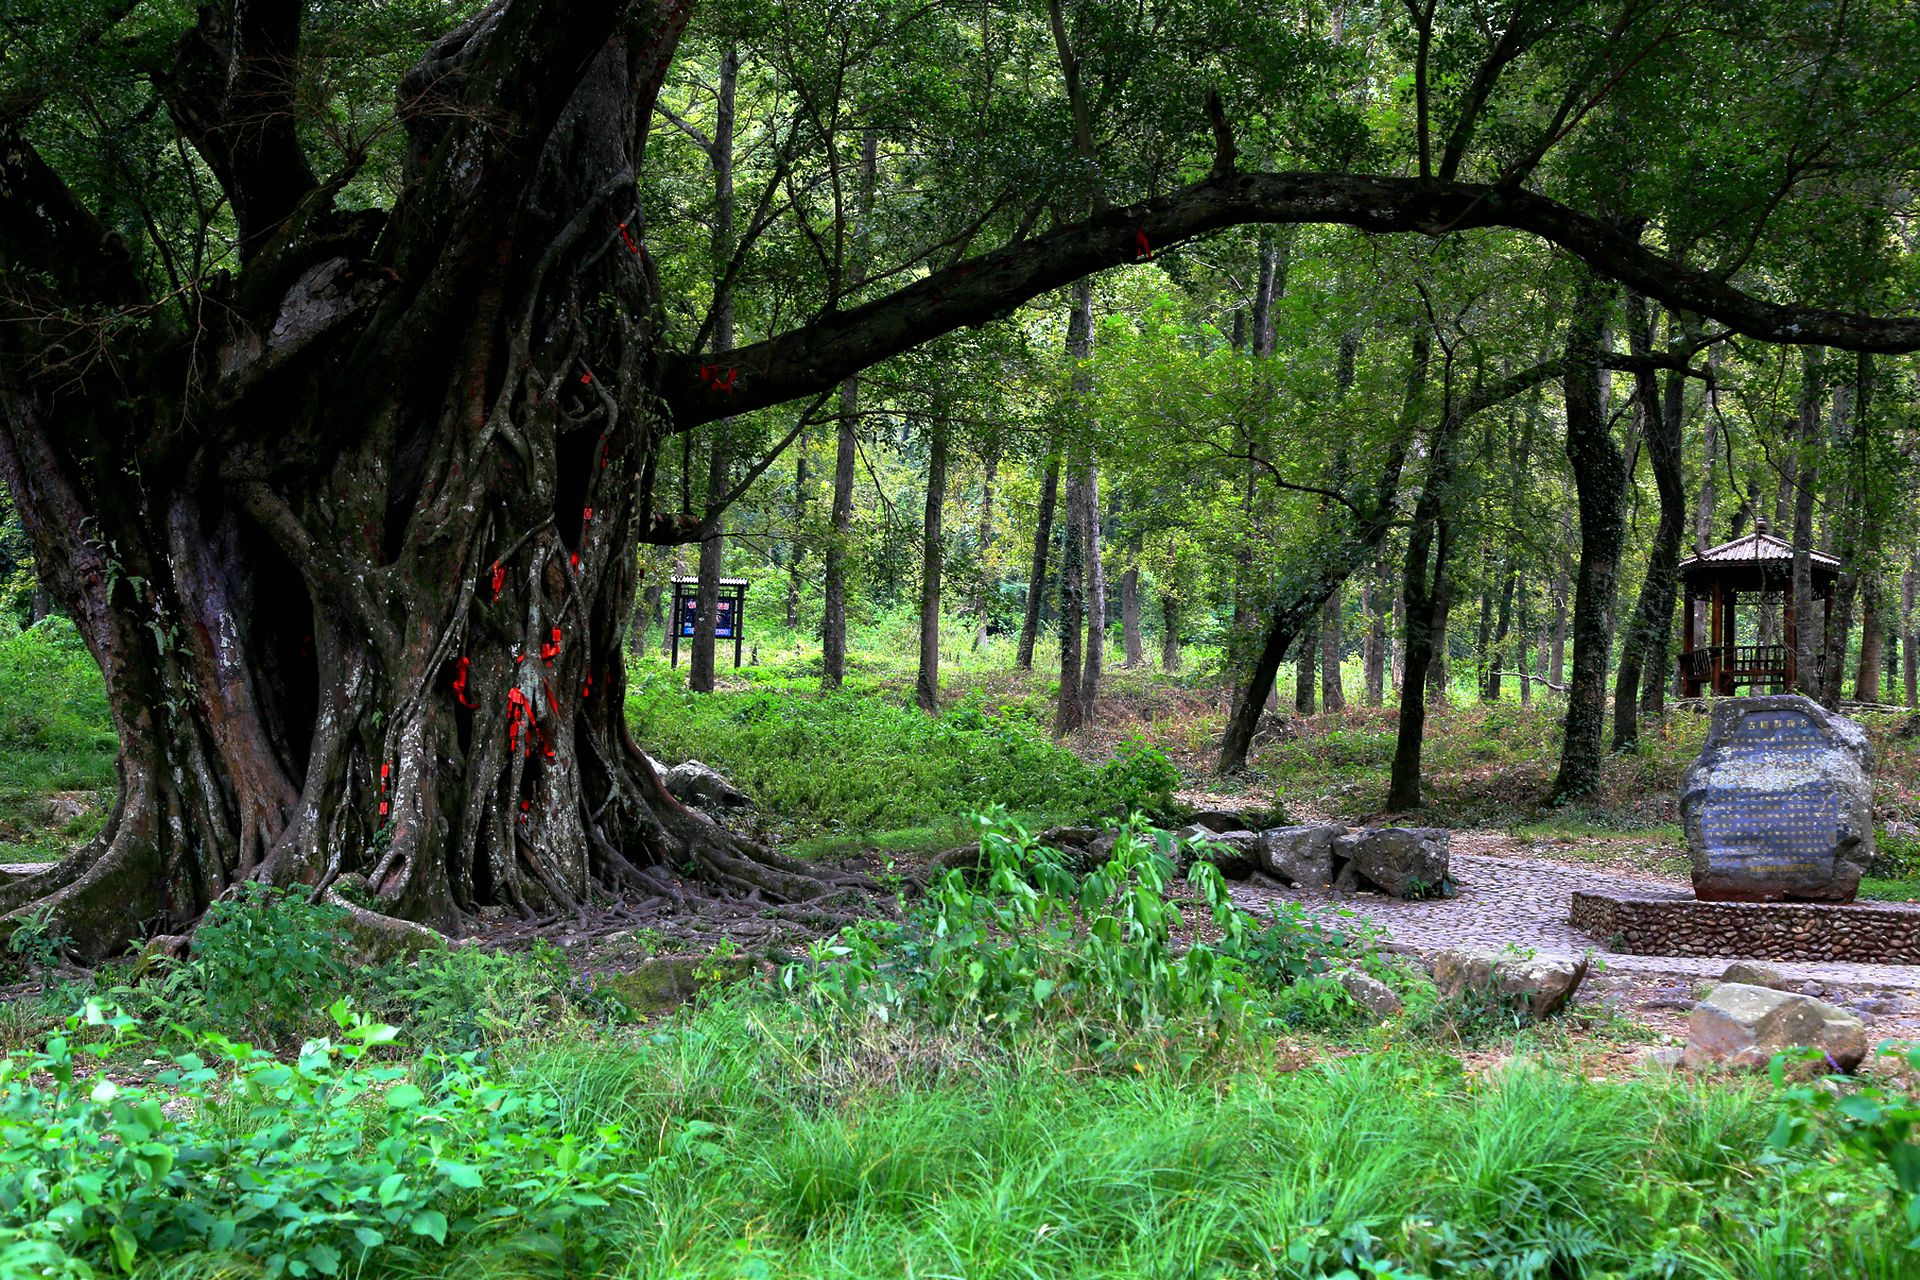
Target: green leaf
(390,1188)
(431,1223)
(460,1175)
(368,1237)
(404,1097)
(124,1247)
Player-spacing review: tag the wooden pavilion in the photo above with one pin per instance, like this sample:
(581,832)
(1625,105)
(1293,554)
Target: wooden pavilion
(1711,658)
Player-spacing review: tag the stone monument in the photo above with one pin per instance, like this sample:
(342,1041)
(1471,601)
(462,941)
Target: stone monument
(1778,804)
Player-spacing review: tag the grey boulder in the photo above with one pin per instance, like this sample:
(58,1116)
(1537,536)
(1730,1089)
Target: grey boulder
(1743,1026)
(1751,974)
(1371,994)
(1299,855)
(1232,853)
(703,787)
(1402,862)
(1536,985)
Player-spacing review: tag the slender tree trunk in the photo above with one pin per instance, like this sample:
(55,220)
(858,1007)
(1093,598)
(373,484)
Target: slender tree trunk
(1910,630)
(1130,638)
(1645,643)
(700,663)
(1510,579)
(1037,574)
(1348,548)
(1553,650)
(983,599)
(794,546)
(1077,570)
(1373,645)
(1856,542)
(1807,636)
(1600,479)
(1169,633)
(1096,653)
(1333,696)
(1423,591)
(833,618)
(932,558)
(1306,665)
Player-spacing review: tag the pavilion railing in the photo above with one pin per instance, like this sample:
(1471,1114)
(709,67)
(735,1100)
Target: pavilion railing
(1758,659)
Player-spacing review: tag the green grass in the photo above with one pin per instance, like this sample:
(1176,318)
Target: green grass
(760,1143)
(855,763)
(55,736)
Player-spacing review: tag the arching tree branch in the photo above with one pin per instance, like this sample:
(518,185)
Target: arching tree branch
(991,285)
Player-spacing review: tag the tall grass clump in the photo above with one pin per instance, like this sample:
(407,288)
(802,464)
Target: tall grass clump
(55,733)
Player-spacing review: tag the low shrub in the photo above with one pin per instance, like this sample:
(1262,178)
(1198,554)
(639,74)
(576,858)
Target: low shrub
(265,960)
(309,1168)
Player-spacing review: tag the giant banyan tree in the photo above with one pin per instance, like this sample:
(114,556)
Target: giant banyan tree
(351,530)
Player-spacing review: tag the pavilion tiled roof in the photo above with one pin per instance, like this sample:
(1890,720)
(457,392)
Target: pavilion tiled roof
(1758,547)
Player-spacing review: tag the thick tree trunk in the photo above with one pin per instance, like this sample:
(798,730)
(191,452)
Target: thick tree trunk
(1037,573)
(362,625)
(932,559)
(1600,480)
(1645,643)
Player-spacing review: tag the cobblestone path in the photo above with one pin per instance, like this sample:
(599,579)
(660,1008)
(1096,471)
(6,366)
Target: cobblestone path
(1506,896)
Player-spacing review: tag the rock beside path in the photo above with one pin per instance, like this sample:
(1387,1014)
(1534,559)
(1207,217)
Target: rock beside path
(1403,862)
(1535,985)
(1750,973)
(1299,855)
(1740,1026)
(703,787)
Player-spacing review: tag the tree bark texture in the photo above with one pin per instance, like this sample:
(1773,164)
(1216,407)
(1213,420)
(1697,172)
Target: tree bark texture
(1645,641)
(846,448)
(932,559)
(1600,479)
(1037,572)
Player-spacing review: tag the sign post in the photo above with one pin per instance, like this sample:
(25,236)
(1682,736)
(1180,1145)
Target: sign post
(729,613)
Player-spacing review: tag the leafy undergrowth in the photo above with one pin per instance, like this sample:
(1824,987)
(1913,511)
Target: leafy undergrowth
(1023,1077)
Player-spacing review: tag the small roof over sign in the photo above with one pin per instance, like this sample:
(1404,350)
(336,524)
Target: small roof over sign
(682,580)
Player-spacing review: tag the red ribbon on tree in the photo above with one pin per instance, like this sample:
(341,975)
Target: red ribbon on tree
(551,650)
(632,248)
(718,379)
(386,768)
(1141,248)
(499,580)
(586,690)
(518,713)
(460,682)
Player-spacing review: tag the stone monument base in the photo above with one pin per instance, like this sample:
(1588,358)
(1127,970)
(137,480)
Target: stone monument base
(1658,924)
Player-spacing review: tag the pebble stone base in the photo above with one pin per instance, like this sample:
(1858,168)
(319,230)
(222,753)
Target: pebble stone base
(1655,925)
